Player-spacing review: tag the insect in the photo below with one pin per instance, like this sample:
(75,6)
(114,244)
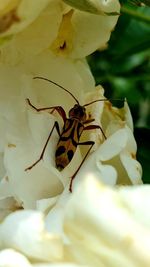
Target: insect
(69,137)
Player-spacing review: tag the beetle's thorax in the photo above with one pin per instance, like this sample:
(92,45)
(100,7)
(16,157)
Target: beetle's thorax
(78,112)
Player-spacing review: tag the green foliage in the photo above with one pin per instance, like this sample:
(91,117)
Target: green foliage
(124,71)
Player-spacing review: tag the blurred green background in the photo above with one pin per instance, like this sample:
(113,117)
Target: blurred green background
(124,71)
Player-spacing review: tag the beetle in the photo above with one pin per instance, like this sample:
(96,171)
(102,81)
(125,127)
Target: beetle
(72,130)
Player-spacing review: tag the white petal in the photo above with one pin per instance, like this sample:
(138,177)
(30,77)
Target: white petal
(113,145)
(54,219)
(92,31)
(12,258)
(24,231)
(104,173)
(22,155)
(128,159)
(7,205)
(128,116)
(5,189)
(45,205)
(36,37)
(2,168)
(81,33)
(133,168)
(25,10)
(138,200)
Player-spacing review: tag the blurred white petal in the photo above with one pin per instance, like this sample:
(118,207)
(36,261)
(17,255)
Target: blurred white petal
(100,225)
(25,231)
(44,205)
(54,219)
(138,200)
(12,258)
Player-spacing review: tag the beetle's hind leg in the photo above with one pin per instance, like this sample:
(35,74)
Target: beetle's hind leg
(91,144)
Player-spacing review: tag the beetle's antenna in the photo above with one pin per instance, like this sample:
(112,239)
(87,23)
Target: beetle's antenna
(105,99)
(45,79)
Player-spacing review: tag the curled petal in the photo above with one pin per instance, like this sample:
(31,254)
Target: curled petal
(111,147)
(132,166)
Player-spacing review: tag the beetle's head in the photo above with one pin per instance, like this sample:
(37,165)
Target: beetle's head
(78,112)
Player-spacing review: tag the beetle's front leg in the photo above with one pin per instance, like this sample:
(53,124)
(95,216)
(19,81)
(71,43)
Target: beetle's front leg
(56,125)
(59,109)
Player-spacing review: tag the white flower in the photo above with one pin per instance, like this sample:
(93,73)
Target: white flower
(51,39)
(27,132)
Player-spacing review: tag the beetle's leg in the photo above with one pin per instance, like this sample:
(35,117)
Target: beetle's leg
(91,127)
(59,109)
(56,125)
(88,121)
(91,143)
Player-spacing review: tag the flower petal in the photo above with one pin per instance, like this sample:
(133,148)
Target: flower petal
(19,14)
(24,231)
(7,205)
(12,258)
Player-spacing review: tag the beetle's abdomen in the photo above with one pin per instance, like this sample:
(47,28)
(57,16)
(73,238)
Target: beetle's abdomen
(64,154)
(67,143)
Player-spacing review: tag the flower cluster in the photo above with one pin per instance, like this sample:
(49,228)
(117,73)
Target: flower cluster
(51,39)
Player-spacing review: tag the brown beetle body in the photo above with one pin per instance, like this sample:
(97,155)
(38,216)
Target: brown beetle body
(68,142)
(70,136)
